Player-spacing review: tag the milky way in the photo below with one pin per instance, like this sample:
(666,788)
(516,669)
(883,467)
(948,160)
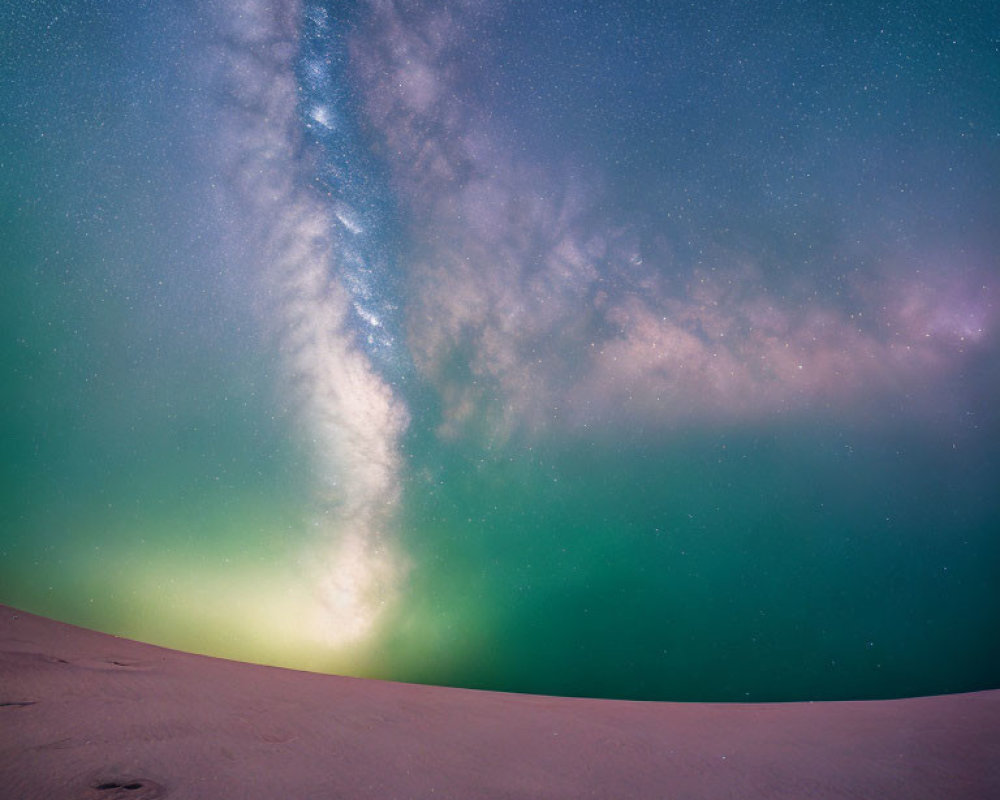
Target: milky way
(624,351)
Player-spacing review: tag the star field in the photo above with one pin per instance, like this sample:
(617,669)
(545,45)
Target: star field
(622,349)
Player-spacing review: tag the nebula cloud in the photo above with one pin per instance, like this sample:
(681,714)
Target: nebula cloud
(349,416)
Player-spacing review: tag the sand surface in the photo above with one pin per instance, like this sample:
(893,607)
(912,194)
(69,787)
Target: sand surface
(86,715)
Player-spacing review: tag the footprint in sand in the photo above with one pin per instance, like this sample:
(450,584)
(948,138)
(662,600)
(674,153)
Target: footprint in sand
(131,788)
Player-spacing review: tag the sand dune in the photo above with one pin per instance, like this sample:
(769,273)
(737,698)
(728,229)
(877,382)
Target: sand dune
(86,715)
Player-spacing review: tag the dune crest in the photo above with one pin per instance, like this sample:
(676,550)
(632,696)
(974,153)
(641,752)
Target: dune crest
(88,716)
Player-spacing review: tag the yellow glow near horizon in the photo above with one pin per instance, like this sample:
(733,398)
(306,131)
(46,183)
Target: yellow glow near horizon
(266,612)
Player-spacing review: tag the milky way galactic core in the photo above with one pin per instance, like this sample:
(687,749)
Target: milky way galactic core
(621,349)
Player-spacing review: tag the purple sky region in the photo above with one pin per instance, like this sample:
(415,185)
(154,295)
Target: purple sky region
(563,315)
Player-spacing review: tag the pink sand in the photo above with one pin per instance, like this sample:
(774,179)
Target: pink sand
(87,715)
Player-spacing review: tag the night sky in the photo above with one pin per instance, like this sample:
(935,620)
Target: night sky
(623,349)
